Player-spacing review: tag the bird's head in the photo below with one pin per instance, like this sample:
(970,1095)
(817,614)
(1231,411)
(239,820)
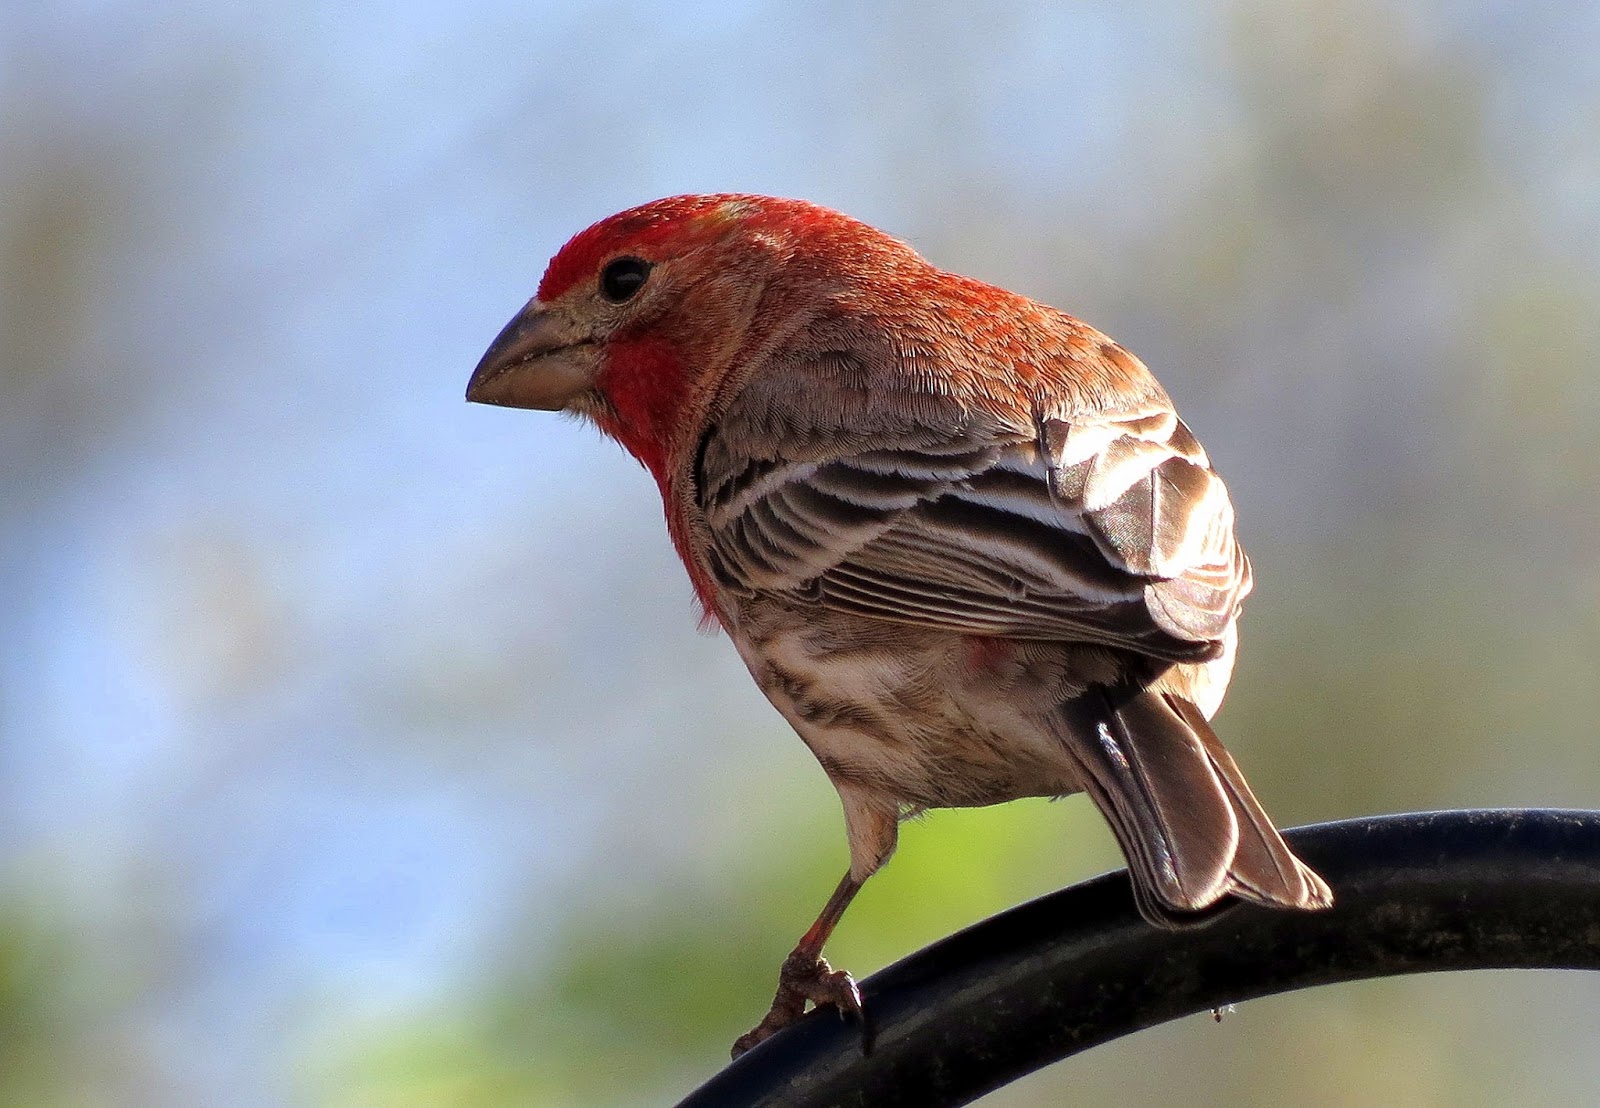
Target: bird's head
(644,318)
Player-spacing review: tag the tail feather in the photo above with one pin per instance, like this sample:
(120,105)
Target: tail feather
(1264,868)
(1187,821)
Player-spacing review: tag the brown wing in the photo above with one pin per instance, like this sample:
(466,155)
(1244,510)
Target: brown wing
(1106,528)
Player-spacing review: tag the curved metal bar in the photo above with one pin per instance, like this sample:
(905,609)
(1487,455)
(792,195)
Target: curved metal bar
(1415,893)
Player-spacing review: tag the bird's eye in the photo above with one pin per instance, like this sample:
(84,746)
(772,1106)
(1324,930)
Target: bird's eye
(622,277)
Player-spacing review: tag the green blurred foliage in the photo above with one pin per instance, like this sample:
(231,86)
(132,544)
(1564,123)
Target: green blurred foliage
(32,960)
(656,987)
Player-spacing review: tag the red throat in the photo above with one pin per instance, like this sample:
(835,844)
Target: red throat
(647,386)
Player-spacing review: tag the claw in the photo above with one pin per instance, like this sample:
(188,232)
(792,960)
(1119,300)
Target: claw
(804,978)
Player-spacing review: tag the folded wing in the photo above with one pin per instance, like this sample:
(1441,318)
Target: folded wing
(1106,528)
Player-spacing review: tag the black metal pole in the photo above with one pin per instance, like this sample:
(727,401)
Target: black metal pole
(1415,893)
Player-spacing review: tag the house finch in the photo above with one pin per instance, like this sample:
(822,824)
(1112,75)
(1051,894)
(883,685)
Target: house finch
(961,539)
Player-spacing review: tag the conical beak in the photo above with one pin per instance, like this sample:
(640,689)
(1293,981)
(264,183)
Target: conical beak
(537,361)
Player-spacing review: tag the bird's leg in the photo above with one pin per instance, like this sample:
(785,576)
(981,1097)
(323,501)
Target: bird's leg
(806,975)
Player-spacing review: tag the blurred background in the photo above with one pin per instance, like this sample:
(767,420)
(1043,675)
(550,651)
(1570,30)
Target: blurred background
(357,746)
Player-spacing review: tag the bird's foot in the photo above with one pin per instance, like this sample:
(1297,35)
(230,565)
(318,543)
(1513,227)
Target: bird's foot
(804,977)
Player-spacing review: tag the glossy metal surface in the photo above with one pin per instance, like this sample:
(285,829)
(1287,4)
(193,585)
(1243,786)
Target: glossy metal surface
(1415,893)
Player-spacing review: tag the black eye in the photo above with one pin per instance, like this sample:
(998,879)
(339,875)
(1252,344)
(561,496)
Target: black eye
(622,277)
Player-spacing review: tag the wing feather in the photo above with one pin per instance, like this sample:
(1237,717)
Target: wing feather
(1096,528)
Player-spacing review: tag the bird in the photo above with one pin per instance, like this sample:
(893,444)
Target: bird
(961,539)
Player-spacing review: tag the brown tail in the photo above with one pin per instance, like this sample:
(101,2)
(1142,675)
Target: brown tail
(1188,823)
